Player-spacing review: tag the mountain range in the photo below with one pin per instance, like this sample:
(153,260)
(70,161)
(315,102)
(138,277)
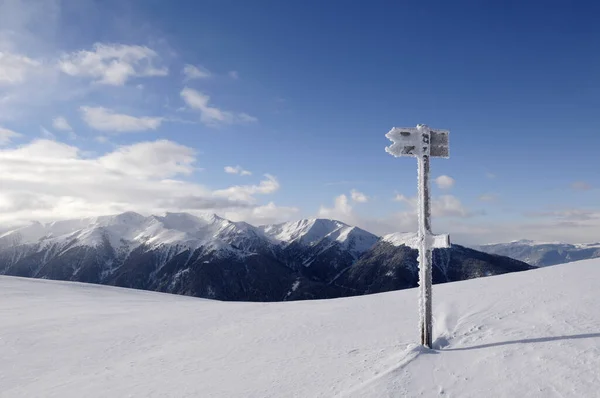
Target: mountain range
(542,254)
(211,257)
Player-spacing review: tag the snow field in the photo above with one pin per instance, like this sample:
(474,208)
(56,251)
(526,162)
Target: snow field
(530,334)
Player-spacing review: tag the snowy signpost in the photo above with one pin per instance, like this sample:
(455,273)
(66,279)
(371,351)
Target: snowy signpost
(422,142)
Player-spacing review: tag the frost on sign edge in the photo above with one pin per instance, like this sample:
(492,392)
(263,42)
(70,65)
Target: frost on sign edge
(406,142)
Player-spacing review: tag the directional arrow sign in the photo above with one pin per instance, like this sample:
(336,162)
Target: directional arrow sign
(408,141)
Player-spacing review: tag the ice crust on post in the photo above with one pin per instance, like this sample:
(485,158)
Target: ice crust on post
(425,307)
(422,142)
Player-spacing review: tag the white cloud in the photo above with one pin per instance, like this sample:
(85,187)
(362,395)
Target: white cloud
(103,119)
(448,206)
(41,150)
(112,64)
(60,123)
(210,115)
(341,210)
(6,136)
(237,170)
(409,201)
(159,159)
(261,215)
(581,186)
(445,182)
(234,74)
(47,180)
(194,72)
(14,68)
(245,192)
(101,139)
(245,118)
(489,175)
(47,134)
(359,196)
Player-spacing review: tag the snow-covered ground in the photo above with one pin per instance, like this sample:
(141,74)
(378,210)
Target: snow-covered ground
(529,334)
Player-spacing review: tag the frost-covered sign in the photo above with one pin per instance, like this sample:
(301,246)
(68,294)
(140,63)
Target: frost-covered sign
(422,142)
(412,141)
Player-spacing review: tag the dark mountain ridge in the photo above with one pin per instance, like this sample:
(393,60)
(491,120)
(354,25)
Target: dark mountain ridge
(211,257)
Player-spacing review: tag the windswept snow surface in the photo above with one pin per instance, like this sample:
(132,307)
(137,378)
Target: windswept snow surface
(530,334)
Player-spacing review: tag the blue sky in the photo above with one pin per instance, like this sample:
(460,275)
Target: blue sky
(159,97)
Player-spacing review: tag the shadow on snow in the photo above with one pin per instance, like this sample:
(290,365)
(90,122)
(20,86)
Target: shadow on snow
(441,344)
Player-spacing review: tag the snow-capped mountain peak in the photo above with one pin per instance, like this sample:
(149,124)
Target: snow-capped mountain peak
(317,231)
(308,231)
